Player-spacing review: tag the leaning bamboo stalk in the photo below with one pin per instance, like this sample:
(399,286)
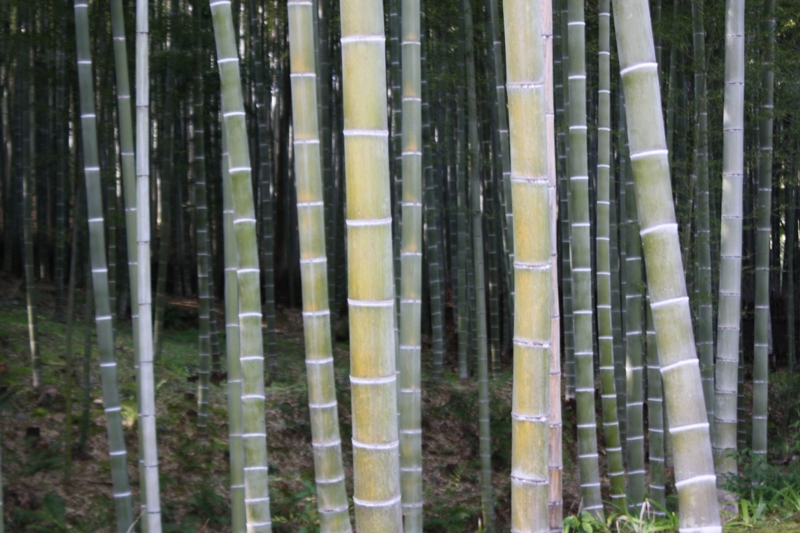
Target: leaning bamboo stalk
(376,467)
(730,280)
(97,244)
(326,442)
(254,436)
(525,68)
(147,408)
(694,469)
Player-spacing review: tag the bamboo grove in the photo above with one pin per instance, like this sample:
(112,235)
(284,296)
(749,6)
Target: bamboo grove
(596,200)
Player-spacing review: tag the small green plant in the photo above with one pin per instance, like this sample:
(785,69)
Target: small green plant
(585,522)
(49,518)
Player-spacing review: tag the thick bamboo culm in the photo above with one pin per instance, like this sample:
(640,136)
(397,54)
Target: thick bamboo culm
(376,465)
(525,69)
(254,435)
(326,440)
(97,246)
(694,468)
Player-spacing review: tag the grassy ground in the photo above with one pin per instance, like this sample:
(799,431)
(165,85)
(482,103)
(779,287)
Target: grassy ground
(193,466)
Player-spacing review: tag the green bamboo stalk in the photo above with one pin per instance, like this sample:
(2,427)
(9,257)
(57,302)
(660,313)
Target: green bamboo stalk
(462,299)
(373,380)
(254,436)
(705,322)
(409,386)
(791,244)
(482,359)
(616,468)
(730,280)
(103,312)
(655,418)
(694,469)
(396,151)
(527,108)
(761,355)
(332,497)
(634,346)
(624,170)
(149,483)
(234,366)
(203,254)
(581,264)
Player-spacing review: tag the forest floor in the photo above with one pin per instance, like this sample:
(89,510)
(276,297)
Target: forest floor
(194,467)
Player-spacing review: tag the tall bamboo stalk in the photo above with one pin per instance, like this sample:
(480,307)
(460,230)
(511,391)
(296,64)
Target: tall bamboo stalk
(409,386)
(235,420)
(694,468)
(616,468)
(147,405)
(763,229)
(730,279)
(254,436)
(581,263)
(102,306)
(655,418)
(525,68)
(373,380)
(332,497)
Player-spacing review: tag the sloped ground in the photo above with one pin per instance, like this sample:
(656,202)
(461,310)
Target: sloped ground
(193,466)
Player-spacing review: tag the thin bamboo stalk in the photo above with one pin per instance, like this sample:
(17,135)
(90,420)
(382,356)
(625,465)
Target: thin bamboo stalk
(655,418)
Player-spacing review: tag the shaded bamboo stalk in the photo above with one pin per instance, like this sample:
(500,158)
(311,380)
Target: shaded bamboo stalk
(655,419)
(251,346)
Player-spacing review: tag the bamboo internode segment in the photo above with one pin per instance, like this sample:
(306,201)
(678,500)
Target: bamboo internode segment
(376,467)
(532,270)
(329,473)
(730,282)
(100,277)
(694,469)
(254,436)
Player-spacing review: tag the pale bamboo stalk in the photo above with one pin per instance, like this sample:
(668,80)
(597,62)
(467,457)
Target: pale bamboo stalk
(409,385)
(99,268)
(694,469)
(730,280)
(581,264)
(555,503)
(527,101)
(373,380)
(234,365)
(762,337)
(254,436)
(605,331)
(326,440)
(149,482)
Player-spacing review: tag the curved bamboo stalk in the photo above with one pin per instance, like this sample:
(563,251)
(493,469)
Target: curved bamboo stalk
(581,263)
(730,280)
(694,468)
(409,393)
(373,380)
(532,267)
(332,497)
(149,483)
(103,310)
(761,356)
(616,468)
(254,436)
